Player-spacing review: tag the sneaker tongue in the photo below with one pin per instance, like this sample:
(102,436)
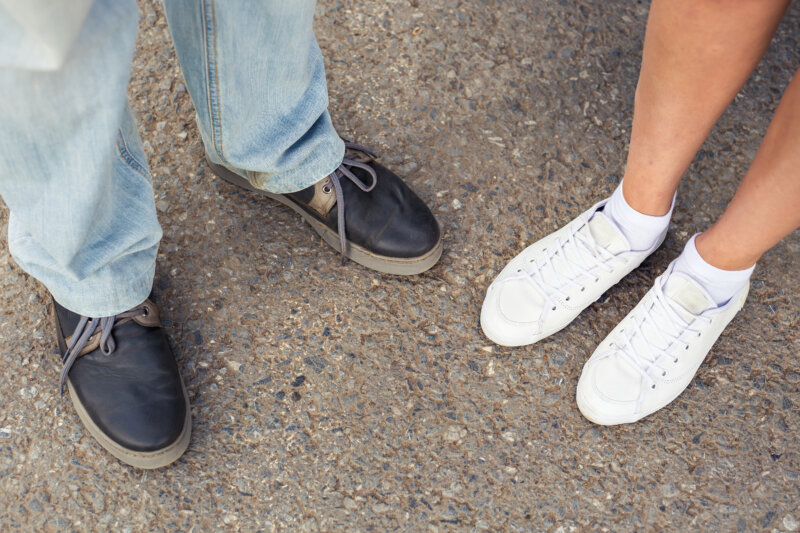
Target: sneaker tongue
(603,232)
(686,298)
(687,293)
(606,234)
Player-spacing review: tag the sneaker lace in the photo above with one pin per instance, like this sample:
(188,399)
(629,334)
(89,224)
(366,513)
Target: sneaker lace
(587,256)
(653,350)
(355,156)
(87,328)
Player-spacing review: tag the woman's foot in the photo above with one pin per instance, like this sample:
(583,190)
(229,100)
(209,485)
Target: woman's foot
(652,355)
(547,285)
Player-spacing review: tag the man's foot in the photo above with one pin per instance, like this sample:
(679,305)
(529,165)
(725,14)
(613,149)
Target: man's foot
(385,225)
(653,354)
(547,285)
(125,384)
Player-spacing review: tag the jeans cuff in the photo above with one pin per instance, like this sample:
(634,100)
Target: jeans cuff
(99,299)
(325,158)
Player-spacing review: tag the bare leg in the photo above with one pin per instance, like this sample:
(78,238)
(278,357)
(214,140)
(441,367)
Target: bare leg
(697,55)
(766,206)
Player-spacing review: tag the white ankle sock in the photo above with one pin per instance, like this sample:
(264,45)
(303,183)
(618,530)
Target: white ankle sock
(642,231)
(722,285)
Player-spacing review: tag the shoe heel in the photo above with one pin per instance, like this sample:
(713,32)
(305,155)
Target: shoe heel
(230,176)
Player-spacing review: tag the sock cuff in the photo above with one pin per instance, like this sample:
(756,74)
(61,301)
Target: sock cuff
(642,231)
(708,272)
(623,208)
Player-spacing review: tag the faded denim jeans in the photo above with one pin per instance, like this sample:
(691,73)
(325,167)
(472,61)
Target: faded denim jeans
(72,169)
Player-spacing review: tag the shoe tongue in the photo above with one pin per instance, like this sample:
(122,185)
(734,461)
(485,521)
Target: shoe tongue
(602,231)
(606,233)
(687,293)
(686,298)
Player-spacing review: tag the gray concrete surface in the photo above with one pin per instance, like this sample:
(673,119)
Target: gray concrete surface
(333,398)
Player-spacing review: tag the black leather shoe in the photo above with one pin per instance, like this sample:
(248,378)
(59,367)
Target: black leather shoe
(384,225)
(125,384)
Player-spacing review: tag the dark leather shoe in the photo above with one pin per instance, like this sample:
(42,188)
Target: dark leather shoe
(125,384)
(384,225)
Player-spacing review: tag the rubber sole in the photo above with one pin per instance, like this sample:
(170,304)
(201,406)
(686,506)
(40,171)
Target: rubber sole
(362,256)
(145,460)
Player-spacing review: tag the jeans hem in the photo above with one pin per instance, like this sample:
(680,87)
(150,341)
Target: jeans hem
(104,302)
(322,162)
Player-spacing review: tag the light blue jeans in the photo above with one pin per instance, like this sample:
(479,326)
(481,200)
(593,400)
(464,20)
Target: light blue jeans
(72,168)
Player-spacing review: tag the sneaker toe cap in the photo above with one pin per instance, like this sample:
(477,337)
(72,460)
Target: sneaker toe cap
(608,391)
(511,313)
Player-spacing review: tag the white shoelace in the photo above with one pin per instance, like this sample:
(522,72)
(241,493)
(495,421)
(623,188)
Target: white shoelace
(585,249)
(650,354)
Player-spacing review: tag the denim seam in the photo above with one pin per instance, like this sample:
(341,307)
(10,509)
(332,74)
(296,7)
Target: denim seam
(122,148)
(212,80)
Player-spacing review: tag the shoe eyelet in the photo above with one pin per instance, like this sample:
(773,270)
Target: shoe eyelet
(583,289)
(519,270)
(698,333)
(326,188)
(146,311)
(675,361)
(686,347)
(597,280)
(663,374)
(554,308)
(653,386)
(567,298)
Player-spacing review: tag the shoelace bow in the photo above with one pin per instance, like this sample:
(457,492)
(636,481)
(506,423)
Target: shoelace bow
(86,328)
(357,156)
(654,354)
(584,247)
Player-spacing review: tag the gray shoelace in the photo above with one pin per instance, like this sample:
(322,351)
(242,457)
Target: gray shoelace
(358,161)
(87,326)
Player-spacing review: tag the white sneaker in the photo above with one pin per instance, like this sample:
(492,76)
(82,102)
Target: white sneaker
(653,354)
(547,285)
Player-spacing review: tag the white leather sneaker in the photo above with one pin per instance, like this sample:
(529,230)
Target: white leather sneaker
(547,285)
(653,354)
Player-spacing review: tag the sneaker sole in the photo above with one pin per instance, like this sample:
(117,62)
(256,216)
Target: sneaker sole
(362,256)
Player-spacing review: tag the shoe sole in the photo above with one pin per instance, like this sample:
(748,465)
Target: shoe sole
(145,460)
(362,256)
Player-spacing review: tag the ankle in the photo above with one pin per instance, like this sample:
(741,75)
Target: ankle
(721,284)
(646,198)
(721,254)
(643,231)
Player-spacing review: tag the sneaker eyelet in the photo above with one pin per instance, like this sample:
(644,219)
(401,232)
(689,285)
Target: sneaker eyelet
(554,308)
(663,373)
(597,280)
(686,347)
(698,333)
(583,289)
(675,361)
(326,188)
(653,386)
(567,298)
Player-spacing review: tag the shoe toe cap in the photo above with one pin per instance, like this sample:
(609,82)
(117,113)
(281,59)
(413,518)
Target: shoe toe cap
(511,312)
(608,391)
